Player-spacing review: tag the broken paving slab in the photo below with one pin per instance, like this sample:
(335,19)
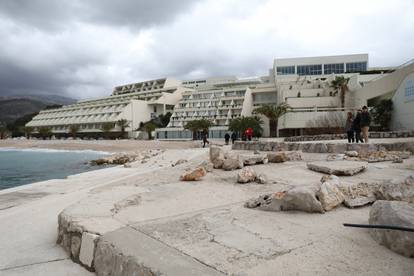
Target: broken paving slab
(346,168)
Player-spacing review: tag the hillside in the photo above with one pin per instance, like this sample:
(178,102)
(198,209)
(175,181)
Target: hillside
(10,110)
(14,107)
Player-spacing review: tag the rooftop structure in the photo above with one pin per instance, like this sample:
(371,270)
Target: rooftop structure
(321,65)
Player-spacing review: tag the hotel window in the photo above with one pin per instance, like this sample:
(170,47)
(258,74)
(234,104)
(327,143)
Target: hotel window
(315,69)
(285,70)
(356,67)
(336,68)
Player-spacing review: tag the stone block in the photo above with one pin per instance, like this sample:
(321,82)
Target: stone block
(87,249)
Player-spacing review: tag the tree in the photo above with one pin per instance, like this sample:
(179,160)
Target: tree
(123,124)
(74,129)
(340,83)
(149,127)
(240,124)
(106,128)
(382,113)
(273,113)
(3,131)
(45,132)
(197,125)
(28,131)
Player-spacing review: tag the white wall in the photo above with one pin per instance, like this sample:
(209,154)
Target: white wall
(403,115)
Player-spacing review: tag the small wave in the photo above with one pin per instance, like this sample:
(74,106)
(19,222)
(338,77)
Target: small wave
(54,150)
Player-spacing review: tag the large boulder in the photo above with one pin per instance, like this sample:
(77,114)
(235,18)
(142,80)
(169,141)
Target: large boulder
(298,199)
(216,156)
(397,190)
(193,175)
(329,194)
(232,162)
(338,167)
(283,156)
(394,213)
(252,159)
(247,174)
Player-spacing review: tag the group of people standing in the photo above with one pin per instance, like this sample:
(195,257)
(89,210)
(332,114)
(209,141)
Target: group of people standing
(355,125)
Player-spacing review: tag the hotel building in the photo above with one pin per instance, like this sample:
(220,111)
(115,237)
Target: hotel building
(303,83)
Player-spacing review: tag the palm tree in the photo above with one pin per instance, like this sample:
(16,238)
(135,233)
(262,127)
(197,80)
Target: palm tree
(74,129)
(28,131)
(273,113)
(340,83)
(240,124)
(123,124)
(197,125)
(106,128)
(149,127)
(45,131)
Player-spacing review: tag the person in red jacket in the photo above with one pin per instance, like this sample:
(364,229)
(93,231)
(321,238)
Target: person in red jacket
(249,133)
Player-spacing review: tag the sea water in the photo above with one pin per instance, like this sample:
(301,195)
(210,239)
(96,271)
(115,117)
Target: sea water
(24,166)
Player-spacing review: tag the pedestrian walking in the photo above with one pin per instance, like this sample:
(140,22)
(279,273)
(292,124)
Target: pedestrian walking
(233,137)
(348,127)
(356,126)
(365,122)
(205,141)
(227,138)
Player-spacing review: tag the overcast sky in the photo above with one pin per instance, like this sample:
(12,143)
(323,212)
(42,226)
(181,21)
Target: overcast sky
(83,48)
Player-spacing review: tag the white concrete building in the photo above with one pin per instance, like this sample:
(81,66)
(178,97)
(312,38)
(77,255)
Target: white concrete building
(136,103)
(303,83)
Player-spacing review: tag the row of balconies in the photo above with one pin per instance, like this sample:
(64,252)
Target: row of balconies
(83,113)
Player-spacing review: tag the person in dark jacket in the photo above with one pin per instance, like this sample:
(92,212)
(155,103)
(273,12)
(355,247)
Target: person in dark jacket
(227,138)
(205,141)
(348,127)
(233,137)
(356,126)
(365,122)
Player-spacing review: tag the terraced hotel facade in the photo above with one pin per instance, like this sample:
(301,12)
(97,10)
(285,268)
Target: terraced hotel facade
(303,83)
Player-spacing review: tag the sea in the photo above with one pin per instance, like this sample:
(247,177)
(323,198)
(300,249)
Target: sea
(24,166)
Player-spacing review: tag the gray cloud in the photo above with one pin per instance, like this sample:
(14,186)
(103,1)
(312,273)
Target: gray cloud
(84,48)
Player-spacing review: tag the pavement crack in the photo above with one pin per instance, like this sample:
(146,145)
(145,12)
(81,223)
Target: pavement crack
(37,263)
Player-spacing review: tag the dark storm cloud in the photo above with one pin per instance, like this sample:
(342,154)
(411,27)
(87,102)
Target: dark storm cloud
(56,14)
(83,48)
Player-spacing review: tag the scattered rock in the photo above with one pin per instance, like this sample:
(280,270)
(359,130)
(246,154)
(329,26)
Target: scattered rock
(283,156)
(338,167)
(179,162)
(335,157)
(397,214)
(247,174)
(397,160)
(207,165)
(298,198)
(261,179)
(194,175)
(216,156)
(351,153)
(358,194)
(397,190)
(381,156)
(330,196)
(232,162)
(251,159)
